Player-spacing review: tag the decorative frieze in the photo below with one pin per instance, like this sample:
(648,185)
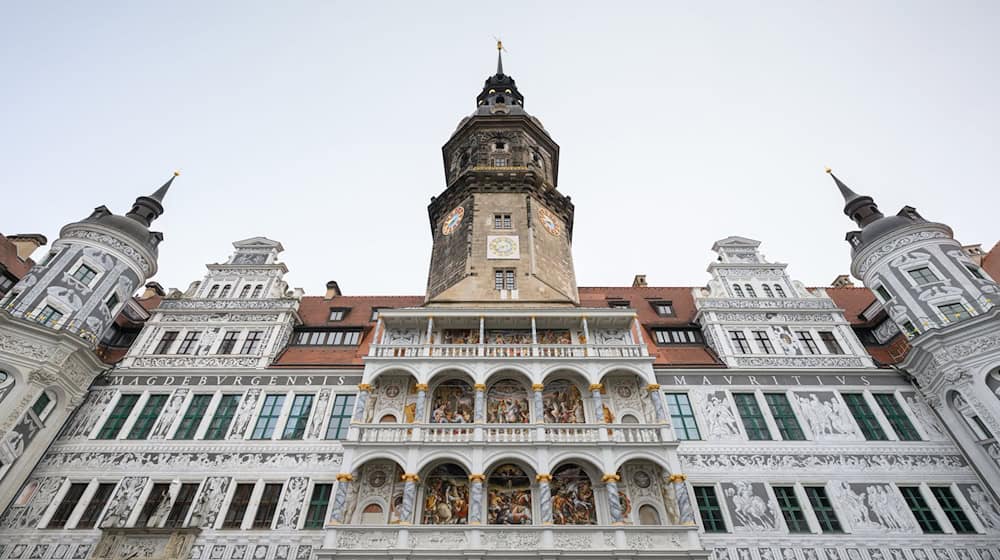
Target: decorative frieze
(227,304)
(847,461)
(188,461)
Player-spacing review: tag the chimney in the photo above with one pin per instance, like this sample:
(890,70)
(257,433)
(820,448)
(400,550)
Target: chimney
(332,290)
(639,281)
(974,252)
(842,281)
(26,243)
(153,289)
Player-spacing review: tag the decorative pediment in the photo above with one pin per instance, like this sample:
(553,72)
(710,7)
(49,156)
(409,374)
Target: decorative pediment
(258,243)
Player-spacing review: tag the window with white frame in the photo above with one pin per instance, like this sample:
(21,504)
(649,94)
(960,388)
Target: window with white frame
(84,274)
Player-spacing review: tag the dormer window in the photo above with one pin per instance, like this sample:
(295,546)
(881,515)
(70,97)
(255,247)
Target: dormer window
(338,313)
(245,291)
(225,291)
(767,290)
(663,308)
(737,290)
(257,291)
(750,291)
(779,290)
(213,291)
(618,303)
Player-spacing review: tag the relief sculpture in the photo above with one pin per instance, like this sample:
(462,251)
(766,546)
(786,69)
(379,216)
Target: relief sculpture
(828,419)
(719,418)
(751,506)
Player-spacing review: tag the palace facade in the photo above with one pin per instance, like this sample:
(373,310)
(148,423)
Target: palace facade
(506,412)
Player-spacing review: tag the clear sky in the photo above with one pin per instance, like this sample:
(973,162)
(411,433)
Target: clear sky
(319,124)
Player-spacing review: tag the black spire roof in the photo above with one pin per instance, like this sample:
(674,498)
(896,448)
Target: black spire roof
(860,208)
(148,208)
(500,89)
(872,223)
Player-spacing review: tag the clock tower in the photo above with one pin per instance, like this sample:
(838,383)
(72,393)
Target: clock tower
(502,232)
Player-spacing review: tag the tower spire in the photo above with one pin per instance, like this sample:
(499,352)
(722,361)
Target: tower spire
(860,208)
(500,93)
(499,57)
(148,208)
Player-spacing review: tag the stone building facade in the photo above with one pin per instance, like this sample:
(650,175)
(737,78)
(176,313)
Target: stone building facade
(505,413)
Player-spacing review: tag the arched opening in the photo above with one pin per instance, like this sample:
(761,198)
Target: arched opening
(387,419)
(648,515)
(508,496)
(393,394)
(225,291)
(573,496)
(629,419)
(507,402)
(453,403)
(257,291)
(993,382)
(644,494)
(446,496)
(375,482)
(245,291)
(372,515)
(213,291)
(6,384)
(750,291)
(562,403)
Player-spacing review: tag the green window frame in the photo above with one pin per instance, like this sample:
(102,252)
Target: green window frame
(952,510)
(791,510)
(147,417)
(41,403)
(825,514)
(920,509)
(238,506)
(709,509)
(66,507)
(682,416)
(268,418)
(119,414)
(192,417)
(340,416)
(298,417)
(49,316)
(84,274)
(865,417)
(752,416)
(896,416)
(784,417)
(318,503)
(96,505)
(264,516)
(223,417)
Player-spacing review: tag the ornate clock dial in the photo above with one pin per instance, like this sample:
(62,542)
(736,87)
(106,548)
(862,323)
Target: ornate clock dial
(452,221)
(549,221)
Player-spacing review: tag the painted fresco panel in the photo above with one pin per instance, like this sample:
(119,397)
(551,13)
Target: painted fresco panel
(507,403)
(509,497)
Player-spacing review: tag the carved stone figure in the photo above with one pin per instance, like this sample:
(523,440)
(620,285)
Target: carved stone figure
(169,414)
(751,510)
(295,494)
(932,426)
(719,417)
(984,506)
(209,501)
(827,418)
(245,414)
(125,498)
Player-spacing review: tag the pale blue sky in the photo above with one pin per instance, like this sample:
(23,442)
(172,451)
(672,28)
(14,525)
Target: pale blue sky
(319,124)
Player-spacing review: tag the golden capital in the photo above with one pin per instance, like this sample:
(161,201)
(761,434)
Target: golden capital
(410,477)
(537,387)
(543,477)
(677,478)
(420,386)
(345,477)
(477,477)
(610,478)
(653,387)
(479,387)
(364,387)
(596,387)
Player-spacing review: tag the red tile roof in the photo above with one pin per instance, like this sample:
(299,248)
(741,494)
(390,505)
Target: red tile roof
(10,261)
(991,262)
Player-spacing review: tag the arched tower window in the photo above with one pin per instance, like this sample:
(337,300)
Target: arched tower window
(245,291)
(767,290)
(213,291)
(507,403)
(225,291)
(779,290)
(446,496)
(257,291)
(509,496)
(573,497)
(737,290)
(750,291)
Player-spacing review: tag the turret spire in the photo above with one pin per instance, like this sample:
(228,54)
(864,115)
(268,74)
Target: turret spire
(860,208)
(148,208)
(500,93)
(499,57)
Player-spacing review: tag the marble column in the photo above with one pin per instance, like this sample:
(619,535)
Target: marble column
(337,514)
(476,499)
(418,415)
(362,404)
(544,497)
(409,498)
(595,394)
(657,398)
(684,508)
(480,413)
(614,500)
(539,407)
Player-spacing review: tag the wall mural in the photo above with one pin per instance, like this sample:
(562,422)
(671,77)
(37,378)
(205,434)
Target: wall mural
(460,336)
(508,336)
(446,496)
(561,403)
(509,496)
(572,497)
(554,336)
(507,403)
(453,403)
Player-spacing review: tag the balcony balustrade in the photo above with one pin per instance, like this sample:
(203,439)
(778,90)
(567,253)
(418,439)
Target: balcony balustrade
(510,433)
(509,351)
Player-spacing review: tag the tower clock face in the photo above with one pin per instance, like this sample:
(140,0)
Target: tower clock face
(452,221)
(549,221)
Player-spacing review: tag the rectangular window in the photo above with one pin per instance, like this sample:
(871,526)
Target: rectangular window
(269,416)
(956,515)
(112,302)
(823,509)
(49,316)
(504,279)
(830,341)
(182,504)
(865,417)
(6,283)
(682,416)
(338,313)
(763,341)
(298,417)
(975,272)
(709,510)
(119,414)
(252,342)
(193,417)
(159,494)
(500,162)
(223,417)
(340,417)
(95,506)
(663,308)
(166,341)
(228,342)
(925,517)
(66,507)
(147,417)
(334,337)
(805,337)
(753,418)
(84,274)
(190,341)
(238,506)
(954,311)
(897,418)
(909,329)
(883,293)
(375,311)
(784,416)
(318,503)
(923,275)
(502,221)
(677,336)
(791,510)
(41,403)
(268,505)
(740,343)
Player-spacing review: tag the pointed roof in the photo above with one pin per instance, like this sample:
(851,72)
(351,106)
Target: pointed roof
(859,207)
(499,57)
(500,89)
(845,191)
(162,191)
(148,208)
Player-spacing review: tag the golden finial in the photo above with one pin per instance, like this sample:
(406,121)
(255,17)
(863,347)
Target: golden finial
(828,170)
(176,173)
(499,45)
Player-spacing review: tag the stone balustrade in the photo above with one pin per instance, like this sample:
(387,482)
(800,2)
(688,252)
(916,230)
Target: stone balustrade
(510,433)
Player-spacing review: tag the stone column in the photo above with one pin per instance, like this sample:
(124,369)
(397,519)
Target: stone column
(409,498)
(360,408)
(544,497)
(595,394)
(610,481)
(684,508)
(657,397)
(539,412)
(476,499)
(480,412)
(418,415)
(340,498)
